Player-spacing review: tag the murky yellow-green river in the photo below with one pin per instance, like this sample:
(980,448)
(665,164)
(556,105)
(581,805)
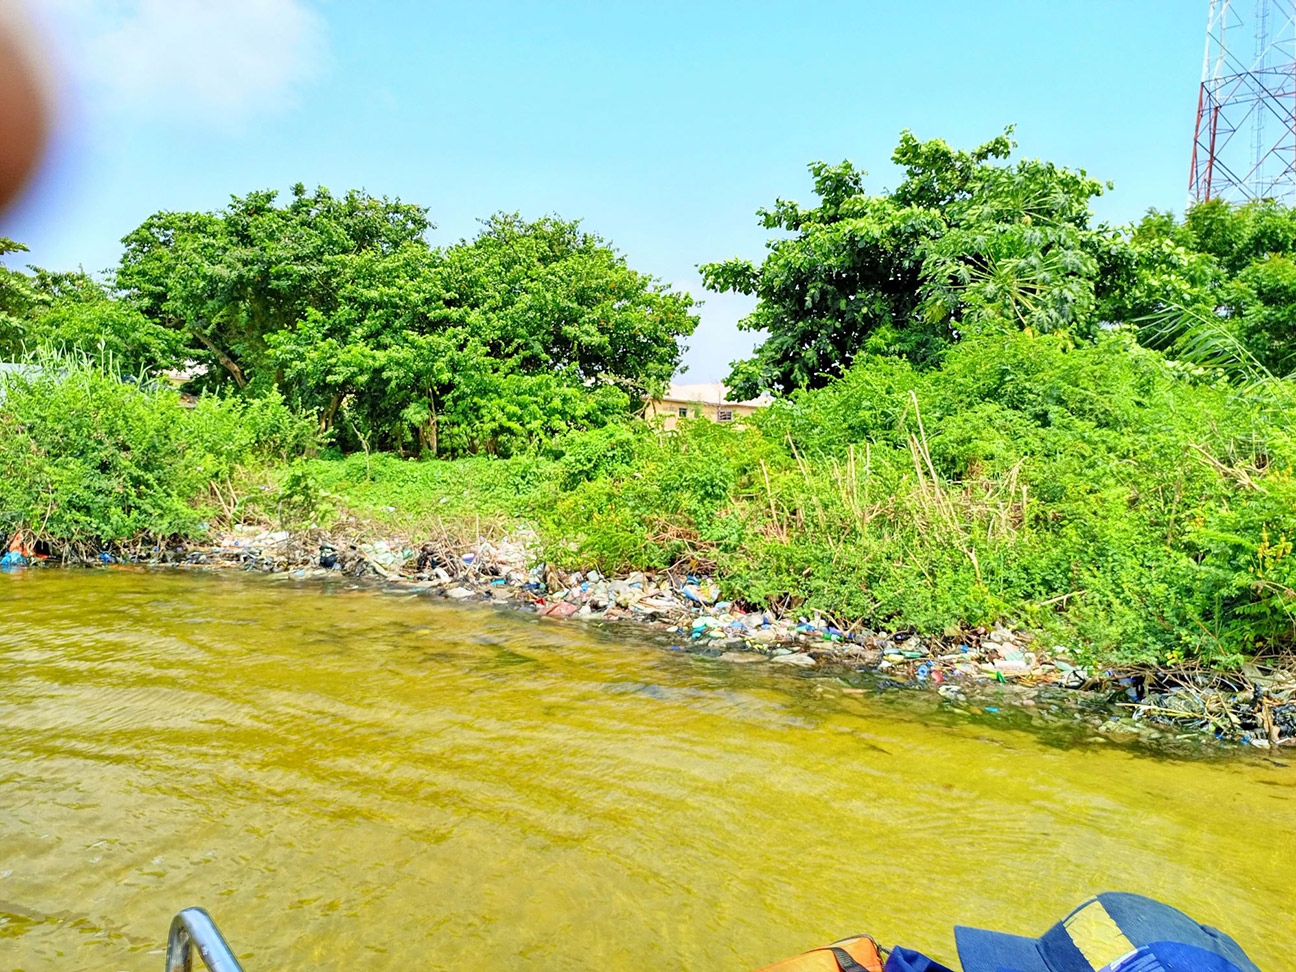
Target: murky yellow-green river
(354,780)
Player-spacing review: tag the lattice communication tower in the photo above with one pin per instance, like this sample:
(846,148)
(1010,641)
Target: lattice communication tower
(1245,144)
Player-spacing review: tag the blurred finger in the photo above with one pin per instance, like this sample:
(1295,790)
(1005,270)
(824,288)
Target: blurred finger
(23,121)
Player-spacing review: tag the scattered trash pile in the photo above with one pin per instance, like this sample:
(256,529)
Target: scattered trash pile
(18,552)
(1255,706)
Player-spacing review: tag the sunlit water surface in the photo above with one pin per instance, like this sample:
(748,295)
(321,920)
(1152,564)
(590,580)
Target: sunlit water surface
(354,780)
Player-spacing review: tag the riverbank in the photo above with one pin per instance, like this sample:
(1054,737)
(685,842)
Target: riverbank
(979,669)
(1092,495)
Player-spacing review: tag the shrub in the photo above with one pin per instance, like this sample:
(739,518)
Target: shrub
(1093,491)
(89,459)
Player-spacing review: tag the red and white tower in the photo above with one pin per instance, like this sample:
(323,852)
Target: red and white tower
(1245,144)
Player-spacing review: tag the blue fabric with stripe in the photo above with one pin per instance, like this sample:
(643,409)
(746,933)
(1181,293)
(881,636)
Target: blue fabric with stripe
(1160,939)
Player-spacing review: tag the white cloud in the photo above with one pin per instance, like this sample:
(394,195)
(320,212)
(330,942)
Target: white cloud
(197,59)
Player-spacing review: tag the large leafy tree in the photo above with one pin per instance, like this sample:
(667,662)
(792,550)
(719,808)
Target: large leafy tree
(489,345)
(340,303)
(229,279)
(548,296)
(71,312)
(79,314)
(18,299)
(966,243)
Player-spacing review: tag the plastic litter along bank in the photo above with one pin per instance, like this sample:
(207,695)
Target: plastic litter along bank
(985,669)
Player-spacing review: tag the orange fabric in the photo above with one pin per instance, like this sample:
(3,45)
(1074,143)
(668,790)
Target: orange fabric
(861,949)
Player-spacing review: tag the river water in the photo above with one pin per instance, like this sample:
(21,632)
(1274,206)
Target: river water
(350,780)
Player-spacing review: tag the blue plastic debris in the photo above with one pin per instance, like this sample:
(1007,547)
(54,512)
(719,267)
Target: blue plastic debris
(13,559)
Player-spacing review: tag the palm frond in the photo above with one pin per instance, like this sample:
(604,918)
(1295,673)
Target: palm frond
(1204,338)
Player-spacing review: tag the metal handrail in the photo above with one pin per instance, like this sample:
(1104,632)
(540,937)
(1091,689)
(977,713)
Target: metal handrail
(194,926)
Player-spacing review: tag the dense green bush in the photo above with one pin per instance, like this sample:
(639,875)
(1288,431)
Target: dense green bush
(1089,490)
(87,458)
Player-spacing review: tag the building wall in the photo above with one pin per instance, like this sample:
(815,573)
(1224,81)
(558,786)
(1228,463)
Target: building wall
(669,411)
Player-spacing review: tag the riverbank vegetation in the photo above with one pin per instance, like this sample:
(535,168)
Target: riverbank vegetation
(988,405)
(1089,491)
(89,459)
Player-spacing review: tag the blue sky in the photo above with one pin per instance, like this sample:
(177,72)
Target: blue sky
(662,125)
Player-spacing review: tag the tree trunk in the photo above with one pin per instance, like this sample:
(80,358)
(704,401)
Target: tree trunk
(427,432)
(433,422)
(330,413)
(230,364)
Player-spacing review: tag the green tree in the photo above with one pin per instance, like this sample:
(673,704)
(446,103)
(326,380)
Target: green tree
(77,313)
(46,311)
(488,345)
(549,296)
(226,280)
(964,244)
(18,298)
(1216,288)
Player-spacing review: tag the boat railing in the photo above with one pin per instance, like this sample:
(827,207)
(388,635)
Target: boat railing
(192,928)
